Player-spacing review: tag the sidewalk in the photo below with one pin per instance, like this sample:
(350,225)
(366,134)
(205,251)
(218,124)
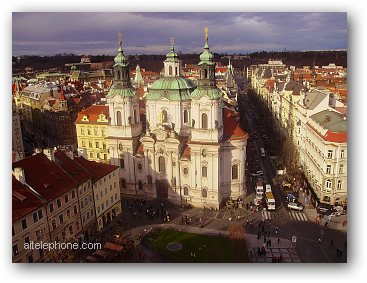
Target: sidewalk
(335,223)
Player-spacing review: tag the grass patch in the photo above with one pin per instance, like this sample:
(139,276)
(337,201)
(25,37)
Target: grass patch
(207,249)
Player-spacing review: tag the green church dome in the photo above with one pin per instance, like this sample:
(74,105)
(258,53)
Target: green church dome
(173,88)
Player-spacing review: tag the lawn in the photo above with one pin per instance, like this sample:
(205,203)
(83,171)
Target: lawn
(206,248)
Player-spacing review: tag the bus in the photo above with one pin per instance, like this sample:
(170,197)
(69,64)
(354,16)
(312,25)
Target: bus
(270,200)
(268,188)
(259,190)
(262,152)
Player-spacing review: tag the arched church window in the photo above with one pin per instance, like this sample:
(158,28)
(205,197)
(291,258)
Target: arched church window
(235,172)
(162,164)
(118,118)
(176,73)
(186,191)
(170,70)
(204,121)
(164,116)
(186,116)
(205,73)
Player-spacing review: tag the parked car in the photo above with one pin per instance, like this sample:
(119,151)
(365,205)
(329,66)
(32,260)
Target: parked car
(295,206)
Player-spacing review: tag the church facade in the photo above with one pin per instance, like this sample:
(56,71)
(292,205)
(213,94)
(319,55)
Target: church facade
(192,150)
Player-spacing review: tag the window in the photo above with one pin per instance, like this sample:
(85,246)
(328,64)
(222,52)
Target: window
(342,153)
(164,116)
(61,218)
(26,240)
(328,184)
(162,164)
(339,185)
(98,156)
(140,185)
(186,191)
(204,121)
(170,70)
(204,193)
(82,204)
(105,191)
(82,131)
(66,198)
(140,167)
(235,172)
(91,154)
(75,209)
(329,154)
(104,146)
(30,258)
(73,194)
(68,212)
(205,73)
(35,217)
(83,143)
(115,196)
(90,144)
(40,215)
(122,163)
(95,132)
(53,224)
(88,131)
(123,183)
(118,118)
(105,156)
(111,188)
(102,206)
(204,171)
(186,170)
(328,169)
(135,117)
(24,224)
(186,116)
(341,168)
(58,203)
(15,250)
(71,230)
(120,147)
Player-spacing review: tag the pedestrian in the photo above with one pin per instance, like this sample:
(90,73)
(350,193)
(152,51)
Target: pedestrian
(319,240)
(278,240)
(269,242)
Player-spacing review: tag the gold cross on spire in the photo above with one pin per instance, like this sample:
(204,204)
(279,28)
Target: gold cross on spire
(120,38)
(172,41)
(206,31)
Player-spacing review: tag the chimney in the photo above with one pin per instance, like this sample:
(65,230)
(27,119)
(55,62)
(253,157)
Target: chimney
(19,174)
(69,153)
(50,153)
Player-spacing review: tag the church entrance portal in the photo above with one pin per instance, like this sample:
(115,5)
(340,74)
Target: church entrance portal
(162,188)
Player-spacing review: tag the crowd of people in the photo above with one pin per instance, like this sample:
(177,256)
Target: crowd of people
(138,206)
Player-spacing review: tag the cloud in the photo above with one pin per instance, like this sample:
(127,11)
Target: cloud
(83,33)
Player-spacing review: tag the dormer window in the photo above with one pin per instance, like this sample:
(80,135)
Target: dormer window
(85,118)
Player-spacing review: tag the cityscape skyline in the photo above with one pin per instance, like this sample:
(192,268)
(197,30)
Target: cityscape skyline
(145,33)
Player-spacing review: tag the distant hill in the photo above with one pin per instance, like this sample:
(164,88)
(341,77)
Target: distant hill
(155,62)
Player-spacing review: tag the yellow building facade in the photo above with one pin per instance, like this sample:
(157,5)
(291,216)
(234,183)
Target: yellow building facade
(91,126)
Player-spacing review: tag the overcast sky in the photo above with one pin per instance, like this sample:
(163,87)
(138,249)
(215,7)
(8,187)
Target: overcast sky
(149,33)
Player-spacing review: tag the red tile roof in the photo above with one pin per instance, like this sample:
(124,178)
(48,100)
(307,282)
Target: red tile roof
(330,136)
(231,130)
(24,201)
(186,153)
(73,168)
(98,170)
(140,149)
(93,113)
(45,177)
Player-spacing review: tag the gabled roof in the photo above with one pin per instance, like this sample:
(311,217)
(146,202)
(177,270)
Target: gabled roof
(45,177)
(98,170)
(231,129)
(24,201)
(93,113)
(313,98)
(73,168)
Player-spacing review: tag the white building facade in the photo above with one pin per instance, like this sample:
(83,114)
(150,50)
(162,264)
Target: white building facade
(192,151)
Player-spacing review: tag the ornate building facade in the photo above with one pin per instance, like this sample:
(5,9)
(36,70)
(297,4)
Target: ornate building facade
(192,152)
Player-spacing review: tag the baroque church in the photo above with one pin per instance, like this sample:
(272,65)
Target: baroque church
(191,150)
